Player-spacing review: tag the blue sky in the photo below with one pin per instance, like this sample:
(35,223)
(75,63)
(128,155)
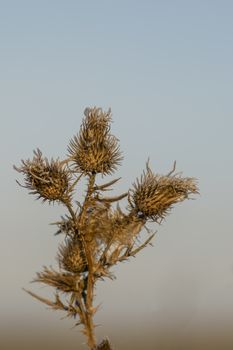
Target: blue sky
(165,69)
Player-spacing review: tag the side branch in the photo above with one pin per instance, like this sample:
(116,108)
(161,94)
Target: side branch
(111,199)
(130,253)
(135,251)
(56,305)
(104,186)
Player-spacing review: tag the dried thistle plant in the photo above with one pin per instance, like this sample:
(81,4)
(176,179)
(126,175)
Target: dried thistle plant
(98,234)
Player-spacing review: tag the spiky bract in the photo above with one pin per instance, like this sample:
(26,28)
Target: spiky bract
(153,195)
(94,149)
(49,180)
(66,226)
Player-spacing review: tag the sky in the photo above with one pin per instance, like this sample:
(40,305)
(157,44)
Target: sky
(165,69)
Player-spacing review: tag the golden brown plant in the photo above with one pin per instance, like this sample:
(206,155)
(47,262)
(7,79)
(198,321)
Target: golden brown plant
(98,234)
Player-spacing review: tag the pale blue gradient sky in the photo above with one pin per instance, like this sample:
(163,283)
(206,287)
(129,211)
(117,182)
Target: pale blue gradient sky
(165,69)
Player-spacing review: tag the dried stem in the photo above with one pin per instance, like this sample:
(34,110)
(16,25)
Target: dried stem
(90,281)
(86,310)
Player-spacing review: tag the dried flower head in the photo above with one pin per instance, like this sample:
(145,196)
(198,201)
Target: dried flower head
(104,345)
(94,149)
(153,195)
(71,257)
(49,180)
(65,282)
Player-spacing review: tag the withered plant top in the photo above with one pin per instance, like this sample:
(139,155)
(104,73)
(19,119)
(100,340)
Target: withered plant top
(97,234)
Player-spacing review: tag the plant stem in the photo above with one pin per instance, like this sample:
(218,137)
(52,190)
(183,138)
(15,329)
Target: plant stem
(90,280)
(79,222)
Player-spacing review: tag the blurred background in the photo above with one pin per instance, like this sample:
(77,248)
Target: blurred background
(165,69)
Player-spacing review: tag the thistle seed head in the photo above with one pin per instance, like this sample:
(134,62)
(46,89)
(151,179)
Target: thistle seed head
(49,180)
(94,149)
(153,195)
(71,257)
(104,345)
(64,282)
